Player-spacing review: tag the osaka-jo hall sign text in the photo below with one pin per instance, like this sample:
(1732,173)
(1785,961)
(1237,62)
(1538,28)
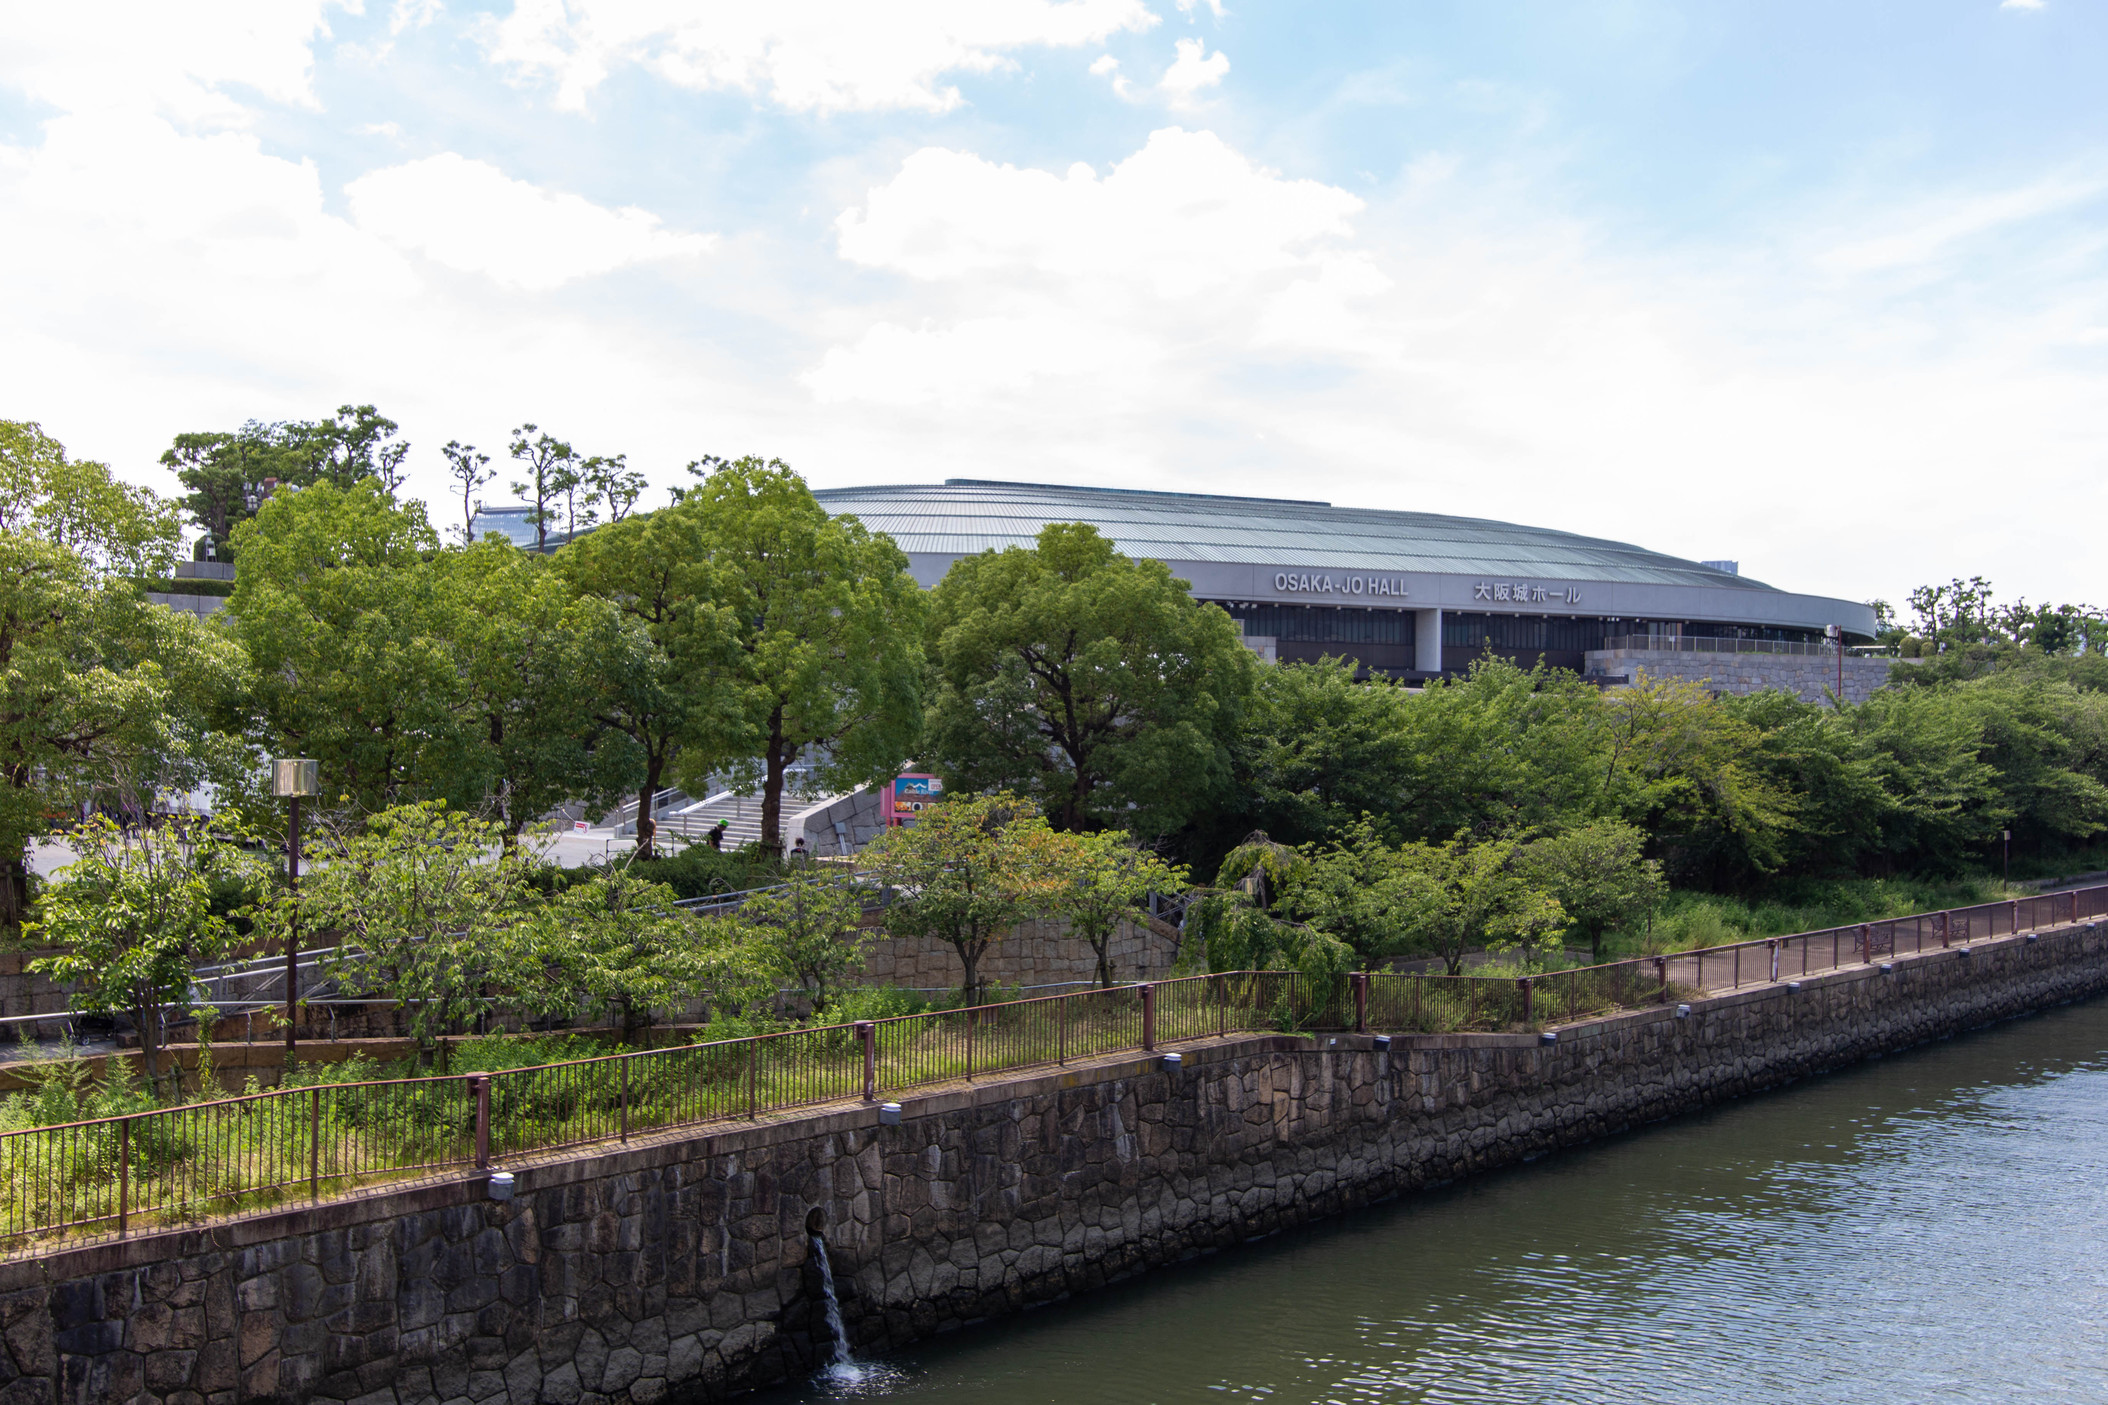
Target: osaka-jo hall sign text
(1393,587)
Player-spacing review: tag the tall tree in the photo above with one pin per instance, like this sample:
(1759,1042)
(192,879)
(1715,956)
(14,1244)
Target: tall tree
(665,680)
(357,443)
(530,654)
(968,870)
(133,914)
(548,462)
(614,483)
(827,627)
(469,469)
(346,624)
(1089,680)
(100,691)
(228,477)
(1599,874)
(1101,880)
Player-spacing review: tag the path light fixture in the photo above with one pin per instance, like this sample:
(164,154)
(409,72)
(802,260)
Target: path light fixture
(293,777)
(1793,985)
(889,1114)
(1550,1036)
(1683,1012)
(1171,1062)
(501,1185)
(1381,1043)
(1888,967)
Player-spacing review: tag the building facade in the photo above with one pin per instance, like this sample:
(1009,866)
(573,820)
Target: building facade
(1410,594)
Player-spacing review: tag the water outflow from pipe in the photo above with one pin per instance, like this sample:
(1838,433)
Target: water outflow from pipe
(842,1358)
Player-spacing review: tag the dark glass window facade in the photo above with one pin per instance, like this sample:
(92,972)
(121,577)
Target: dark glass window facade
(1470,631)
(1325,624)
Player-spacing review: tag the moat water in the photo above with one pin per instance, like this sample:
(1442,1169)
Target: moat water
(1927,1227)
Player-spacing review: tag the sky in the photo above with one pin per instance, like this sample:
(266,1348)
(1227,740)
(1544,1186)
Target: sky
(1822,288)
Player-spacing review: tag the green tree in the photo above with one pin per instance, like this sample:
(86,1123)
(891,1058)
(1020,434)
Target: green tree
(346,624)
(1088,680)
(134,914)
(665,681)
(613,484)
(1598,873)
(100,691)
(826,634)
(228,477)
(355,444)
(472,471)
(1320,750)
(548,463)
(617,940)
(807,930)
(529,654)
(429,910)
(1475,898)
(967,871)
(1688,772)
(1499,750)
(1101,880)
(1358,890)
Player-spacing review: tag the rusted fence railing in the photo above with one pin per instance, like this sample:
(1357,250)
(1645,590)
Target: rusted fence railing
(168,1166)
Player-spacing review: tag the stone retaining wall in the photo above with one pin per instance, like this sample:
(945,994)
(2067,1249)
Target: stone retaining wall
(683,1267)
(1036,953)
(1809,677)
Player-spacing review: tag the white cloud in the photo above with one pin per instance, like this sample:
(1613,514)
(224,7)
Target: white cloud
(151,55)
(469,215)
(1193,70)
(808,55)
(2021,4)
(414,14)
(1186,213)
(1187,7)
(1189,320)
(1930,232)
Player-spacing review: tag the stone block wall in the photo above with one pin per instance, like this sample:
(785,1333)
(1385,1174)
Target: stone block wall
(1808,677)
(684,1266)
(1036,953)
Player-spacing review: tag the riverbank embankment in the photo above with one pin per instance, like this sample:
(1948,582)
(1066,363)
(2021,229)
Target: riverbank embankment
(682,1266)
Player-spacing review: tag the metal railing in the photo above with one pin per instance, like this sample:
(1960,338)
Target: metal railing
(1696,644)
(176,1165)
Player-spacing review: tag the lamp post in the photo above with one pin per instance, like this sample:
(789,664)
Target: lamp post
(2005,842)
(1838,636)
(293,777)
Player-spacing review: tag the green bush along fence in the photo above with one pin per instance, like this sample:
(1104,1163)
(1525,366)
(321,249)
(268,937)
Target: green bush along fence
(176,1165)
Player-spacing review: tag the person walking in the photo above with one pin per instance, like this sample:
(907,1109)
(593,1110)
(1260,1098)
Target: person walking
(717,835)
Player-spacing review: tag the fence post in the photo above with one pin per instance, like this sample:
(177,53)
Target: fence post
(753,1079)
(1866,942)
(2013,920)
(1061,1037)
(1661,977)
(625,1099)
(480,1085)
(1528,1005)
(314,1144)
(124,1176)
(1940,925)
(1361,1001)
(867,1035)
(1148,1018)
(1773,943)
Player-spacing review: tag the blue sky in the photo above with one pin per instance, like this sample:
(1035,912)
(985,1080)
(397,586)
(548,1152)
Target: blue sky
(1817,287)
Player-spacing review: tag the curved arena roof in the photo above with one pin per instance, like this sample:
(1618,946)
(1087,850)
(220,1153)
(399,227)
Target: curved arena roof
(1292,550)
(963,516)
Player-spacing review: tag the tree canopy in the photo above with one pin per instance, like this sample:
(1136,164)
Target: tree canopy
(1087,680)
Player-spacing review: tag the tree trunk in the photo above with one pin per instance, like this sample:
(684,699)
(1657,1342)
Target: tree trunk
(778,759)
(14,890)
(647,826)
(970,958)
(1104,947)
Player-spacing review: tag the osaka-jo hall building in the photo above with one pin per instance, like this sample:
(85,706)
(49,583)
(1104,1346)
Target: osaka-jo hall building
(1410,594)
